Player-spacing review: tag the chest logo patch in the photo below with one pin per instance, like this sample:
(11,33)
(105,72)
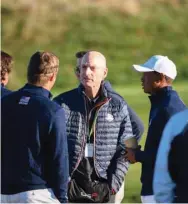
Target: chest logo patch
(109,117)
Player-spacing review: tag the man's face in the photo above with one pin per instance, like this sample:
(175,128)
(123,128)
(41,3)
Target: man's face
(149,80)
(5,79)
(92,71)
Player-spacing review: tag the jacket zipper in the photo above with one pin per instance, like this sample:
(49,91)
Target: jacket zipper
(83,141)
(94,132)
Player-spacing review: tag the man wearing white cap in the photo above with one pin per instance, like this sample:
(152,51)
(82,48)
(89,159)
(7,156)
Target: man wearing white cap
(158,75)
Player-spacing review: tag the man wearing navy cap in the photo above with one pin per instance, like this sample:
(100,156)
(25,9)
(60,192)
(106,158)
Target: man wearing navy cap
(158,75)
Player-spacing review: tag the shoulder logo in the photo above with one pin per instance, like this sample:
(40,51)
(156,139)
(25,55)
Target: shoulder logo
(24,100)
(109,117)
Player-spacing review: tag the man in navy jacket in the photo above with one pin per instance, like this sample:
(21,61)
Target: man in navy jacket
(171,168)
(6,68)
(34,155)
(158,74)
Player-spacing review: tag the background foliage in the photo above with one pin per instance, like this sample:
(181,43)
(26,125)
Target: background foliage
(126,31)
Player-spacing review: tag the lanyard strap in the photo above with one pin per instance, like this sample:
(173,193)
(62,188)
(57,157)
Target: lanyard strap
(93,125)
(92,130)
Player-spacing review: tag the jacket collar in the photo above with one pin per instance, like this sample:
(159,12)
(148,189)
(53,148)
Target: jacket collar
(81,89)
(158,95)
(37,90)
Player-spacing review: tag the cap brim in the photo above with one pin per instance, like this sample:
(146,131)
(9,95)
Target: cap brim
(142,69)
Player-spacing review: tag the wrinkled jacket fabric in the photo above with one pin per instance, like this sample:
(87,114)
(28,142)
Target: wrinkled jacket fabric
(113,127)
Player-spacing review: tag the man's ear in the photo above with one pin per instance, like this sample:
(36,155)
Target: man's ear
(5,80)
(52,76)
(105,73)
(77,75)
(160,79)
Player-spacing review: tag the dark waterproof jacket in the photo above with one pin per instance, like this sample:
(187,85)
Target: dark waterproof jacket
(164,104)
(178,165)
(33,143)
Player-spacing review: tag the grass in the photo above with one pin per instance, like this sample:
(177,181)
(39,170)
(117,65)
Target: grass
(139,101)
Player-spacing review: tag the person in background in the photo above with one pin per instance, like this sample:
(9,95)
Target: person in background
(158,75)
(34,153)
(6,63)
(171,168)
(137,125)
(79,55)
(98,125)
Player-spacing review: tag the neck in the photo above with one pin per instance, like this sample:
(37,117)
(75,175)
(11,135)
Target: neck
(4,82)
(45,86)
(93,92)
(156,89)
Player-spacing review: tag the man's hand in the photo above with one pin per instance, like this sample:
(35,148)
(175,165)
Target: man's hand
(130,155)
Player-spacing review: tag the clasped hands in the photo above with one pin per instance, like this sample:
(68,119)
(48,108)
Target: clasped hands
(130,154)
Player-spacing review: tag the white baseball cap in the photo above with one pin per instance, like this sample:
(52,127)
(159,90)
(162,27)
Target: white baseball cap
(159,64)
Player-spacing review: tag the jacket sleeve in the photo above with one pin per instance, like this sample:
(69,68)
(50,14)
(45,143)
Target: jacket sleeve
(178,165)
(59,156)
(120,168)
(163,185)
(165,114)
(162,118)
(171,165)
(137,124)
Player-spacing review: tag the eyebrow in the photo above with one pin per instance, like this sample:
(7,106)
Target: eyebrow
(87,65)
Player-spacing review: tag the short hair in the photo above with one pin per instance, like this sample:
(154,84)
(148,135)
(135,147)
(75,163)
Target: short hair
(6,64)
(80,54)
(40,66)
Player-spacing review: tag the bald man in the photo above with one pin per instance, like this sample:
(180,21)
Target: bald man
(98,125)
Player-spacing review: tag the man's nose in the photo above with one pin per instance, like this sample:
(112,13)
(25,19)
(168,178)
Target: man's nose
(87,71)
